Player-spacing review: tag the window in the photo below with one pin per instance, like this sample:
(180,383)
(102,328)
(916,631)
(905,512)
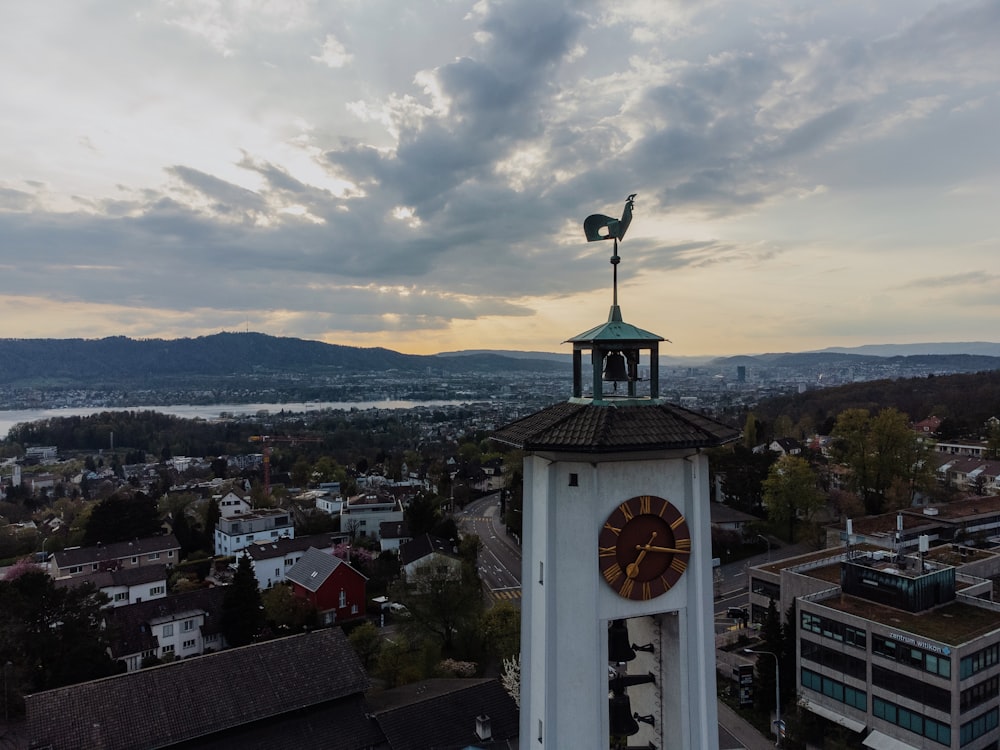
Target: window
(914,657)
(121,596)
(188,625)
(979,726)
(354,609)
(978,661)
(979,693)
(343,599)
(914,722)
(274,534)
(76,569)
(168,630)
(135,560)
(189,644)
(834,689)
(156,590)
(153,556)
(167,649)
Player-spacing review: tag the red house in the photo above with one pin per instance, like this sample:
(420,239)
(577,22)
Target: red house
(332,586)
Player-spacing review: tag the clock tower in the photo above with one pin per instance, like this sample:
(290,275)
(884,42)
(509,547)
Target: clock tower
(617,631)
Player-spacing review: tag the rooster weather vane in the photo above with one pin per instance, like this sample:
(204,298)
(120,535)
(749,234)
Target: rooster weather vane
(601,227)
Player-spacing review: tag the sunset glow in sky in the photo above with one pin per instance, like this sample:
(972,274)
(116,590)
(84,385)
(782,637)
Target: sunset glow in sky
(416,175)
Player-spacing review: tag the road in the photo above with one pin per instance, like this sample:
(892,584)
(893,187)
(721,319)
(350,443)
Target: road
(500,557)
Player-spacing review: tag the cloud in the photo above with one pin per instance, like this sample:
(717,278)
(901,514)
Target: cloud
(333,53)
(369,168)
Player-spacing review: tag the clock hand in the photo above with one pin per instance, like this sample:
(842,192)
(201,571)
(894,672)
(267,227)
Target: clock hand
(632,569)
(653,548)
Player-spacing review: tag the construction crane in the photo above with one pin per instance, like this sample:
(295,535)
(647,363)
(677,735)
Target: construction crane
(267,440)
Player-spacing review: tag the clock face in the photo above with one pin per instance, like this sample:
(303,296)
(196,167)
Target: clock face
(644,547)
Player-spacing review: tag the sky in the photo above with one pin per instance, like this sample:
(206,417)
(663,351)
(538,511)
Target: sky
(415,175)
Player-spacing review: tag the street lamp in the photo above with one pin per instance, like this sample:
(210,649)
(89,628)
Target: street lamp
(777,692)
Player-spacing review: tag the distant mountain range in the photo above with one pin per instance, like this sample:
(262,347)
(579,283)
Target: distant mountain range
(84,361)
(68,361)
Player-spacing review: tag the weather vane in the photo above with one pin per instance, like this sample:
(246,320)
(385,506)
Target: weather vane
(594,227)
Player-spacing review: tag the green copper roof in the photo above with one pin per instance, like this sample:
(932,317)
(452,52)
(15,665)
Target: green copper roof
(615,329)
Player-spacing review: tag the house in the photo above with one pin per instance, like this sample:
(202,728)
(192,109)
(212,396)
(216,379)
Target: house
(232,505)
(124,585)
(304,692)
(447,713)
(730,519)
(392,534)
(927,427)
(785,446)
(363,514)
(972,475)
(176,626)
(233,534)
(431,553)
(156,550)
(332,586)
(270,560)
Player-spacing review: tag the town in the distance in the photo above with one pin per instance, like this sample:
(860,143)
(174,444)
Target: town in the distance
(189,571)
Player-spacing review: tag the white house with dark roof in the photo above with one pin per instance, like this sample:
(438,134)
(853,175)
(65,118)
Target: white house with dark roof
(232,505)
(155,550)
(430,553)
(393,534)
(125,585)
(233,534)
(177,626)
(271,560)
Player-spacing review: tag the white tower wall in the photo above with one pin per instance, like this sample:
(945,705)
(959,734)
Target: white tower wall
(566,605)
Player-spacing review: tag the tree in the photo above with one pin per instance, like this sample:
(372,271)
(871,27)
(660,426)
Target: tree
(790,492)
(441,603)
(501,630)
(878,450)
(119,518)
(51,636)
(397,664)
(242,608)
(212,516)
(367,644)
(285,612)
(422,514)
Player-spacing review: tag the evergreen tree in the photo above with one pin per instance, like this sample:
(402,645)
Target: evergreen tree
(242,608)
(119,519)
(50,636)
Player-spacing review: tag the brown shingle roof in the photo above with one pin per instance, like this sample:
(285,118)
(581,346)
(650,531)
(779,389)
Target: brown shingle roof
(108,552)
(441,713)
(591,427)
(198,698)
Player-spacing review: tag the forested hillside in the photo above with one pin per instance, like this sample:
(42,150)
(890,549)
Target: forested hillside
(964,402)
(118,358)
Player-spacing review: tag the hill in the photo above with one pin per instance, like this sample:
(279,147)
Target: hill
(86,361)
(963,401)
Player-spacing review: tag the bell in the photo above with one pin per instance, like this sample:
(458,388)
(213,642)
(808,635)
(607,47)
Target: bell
(620,720)
(619,645)
(615,367)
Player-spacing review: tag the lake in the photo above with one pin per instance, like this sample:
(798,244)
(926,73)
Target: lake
(9,418)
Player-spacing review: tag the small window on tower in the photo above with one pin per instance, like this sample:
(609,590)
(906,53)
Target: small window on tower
(574,480)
